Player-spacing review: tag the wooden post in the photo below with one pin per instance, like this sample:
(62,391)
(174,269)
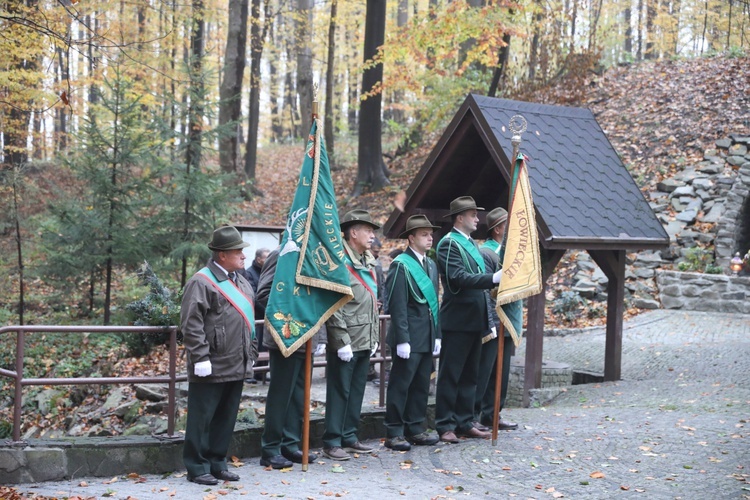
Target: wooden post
(532,377)
(613,264)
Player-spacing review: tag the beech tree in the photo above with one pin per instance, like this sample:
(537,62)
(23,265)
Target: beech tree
(372,174)
(230,93)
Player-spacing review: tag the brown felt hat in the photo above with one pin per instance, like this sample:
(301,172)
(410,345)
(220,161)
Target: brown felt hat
(358,217)
(417,222)
(495,218)
(227,238)
(462,204)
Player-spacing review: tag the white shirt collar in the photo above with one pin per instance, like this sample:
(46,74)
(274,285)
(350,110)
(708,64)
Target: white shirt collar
(419,255)
(219,266)
(468,237)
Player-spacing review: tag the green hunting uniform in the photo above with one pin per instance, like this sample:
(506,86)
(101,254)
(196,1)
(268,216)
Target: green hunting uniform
(485,396)
(464,317)
(355,323)
(412,322)
(214,331)
(282,425)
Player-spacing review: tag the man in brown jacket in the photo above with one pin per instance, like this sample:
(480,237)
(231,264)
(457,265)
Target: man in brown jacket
(217,324)
(352,333)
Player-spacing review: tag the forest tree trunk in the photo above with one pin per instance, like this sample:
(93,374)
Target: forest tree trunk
(371,170)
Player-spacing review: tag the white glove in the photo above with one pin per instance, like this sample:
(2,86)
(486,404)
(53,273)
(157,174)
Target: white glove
(320,350)
(403,350)
(496,277)
(374,349)
(345,353)
(493,335)
(203,368)
(438,345)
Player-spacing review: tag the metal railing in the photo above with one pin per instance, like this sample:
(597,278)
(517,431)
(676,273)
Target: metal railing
(171,379)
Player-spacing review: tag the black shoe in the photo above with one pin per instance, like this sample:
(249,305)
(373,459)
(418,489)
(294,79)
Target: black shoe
(473,432)
(296,456)
(358,447)
(251,381)
(398,444)
(480,427)
(225,475)
(423,439)
(276,462)
(206,479)
(503,425)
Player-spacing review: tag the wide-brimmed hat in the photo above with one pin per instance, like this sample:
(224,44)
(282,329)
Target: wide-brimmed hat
(496,217)
(227,238)
(462,204)
(358,217)
(417,222)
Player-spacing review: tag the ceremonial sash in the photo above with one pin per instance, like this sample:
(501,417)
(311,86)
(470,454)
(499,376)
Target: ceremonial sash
(234,295)
(492,245)
(466,247)
(367,277)
(413,268)
(510,314)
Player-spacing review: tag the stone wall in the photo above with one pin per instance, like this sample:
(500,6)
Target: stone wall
(555,378)
(704,292)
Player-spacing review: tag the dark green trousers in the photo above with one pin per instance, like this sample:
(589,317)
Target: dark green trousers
(212,412)
(284,404)
(457,381)
(408,390)
(484,403)
(345,389)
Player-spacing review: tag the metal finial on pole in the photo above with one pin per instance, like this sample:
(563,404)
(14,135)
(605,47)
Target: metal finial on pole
(315,101)
(517,125)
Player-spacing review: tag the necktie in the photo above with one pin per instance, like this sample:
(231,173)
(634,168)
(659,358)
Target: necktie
(426,266)
(233,277)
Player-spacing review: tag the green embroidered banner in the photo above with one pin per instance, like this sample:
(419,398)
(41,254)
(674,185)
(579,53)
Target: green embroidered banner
(311,280)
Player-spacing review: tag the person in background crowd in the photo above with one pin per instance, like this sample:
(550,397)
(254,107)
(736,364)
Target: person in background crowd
(375,250)
(252,274)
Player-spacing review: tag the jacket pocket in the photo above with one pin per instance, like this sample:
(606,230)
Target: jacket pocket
(220,339)
(357,319)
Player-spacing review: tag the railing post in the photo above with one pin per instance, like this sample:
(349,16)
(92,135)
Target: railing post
(18,399)
(172,376)
(382,363)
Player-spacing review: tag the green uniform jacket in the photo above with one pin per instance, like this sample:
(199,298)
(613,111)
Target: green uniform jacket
(215,331)
(357,322)
(411,321)
(464,307)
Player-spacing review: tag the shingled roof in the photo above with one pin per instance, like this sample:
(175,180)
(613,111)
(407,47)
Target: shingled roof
(584,196)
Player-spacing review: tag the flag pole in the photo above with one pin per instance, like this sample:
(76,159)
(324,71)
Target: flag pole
(498,382)
(308,345)
(517,126)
